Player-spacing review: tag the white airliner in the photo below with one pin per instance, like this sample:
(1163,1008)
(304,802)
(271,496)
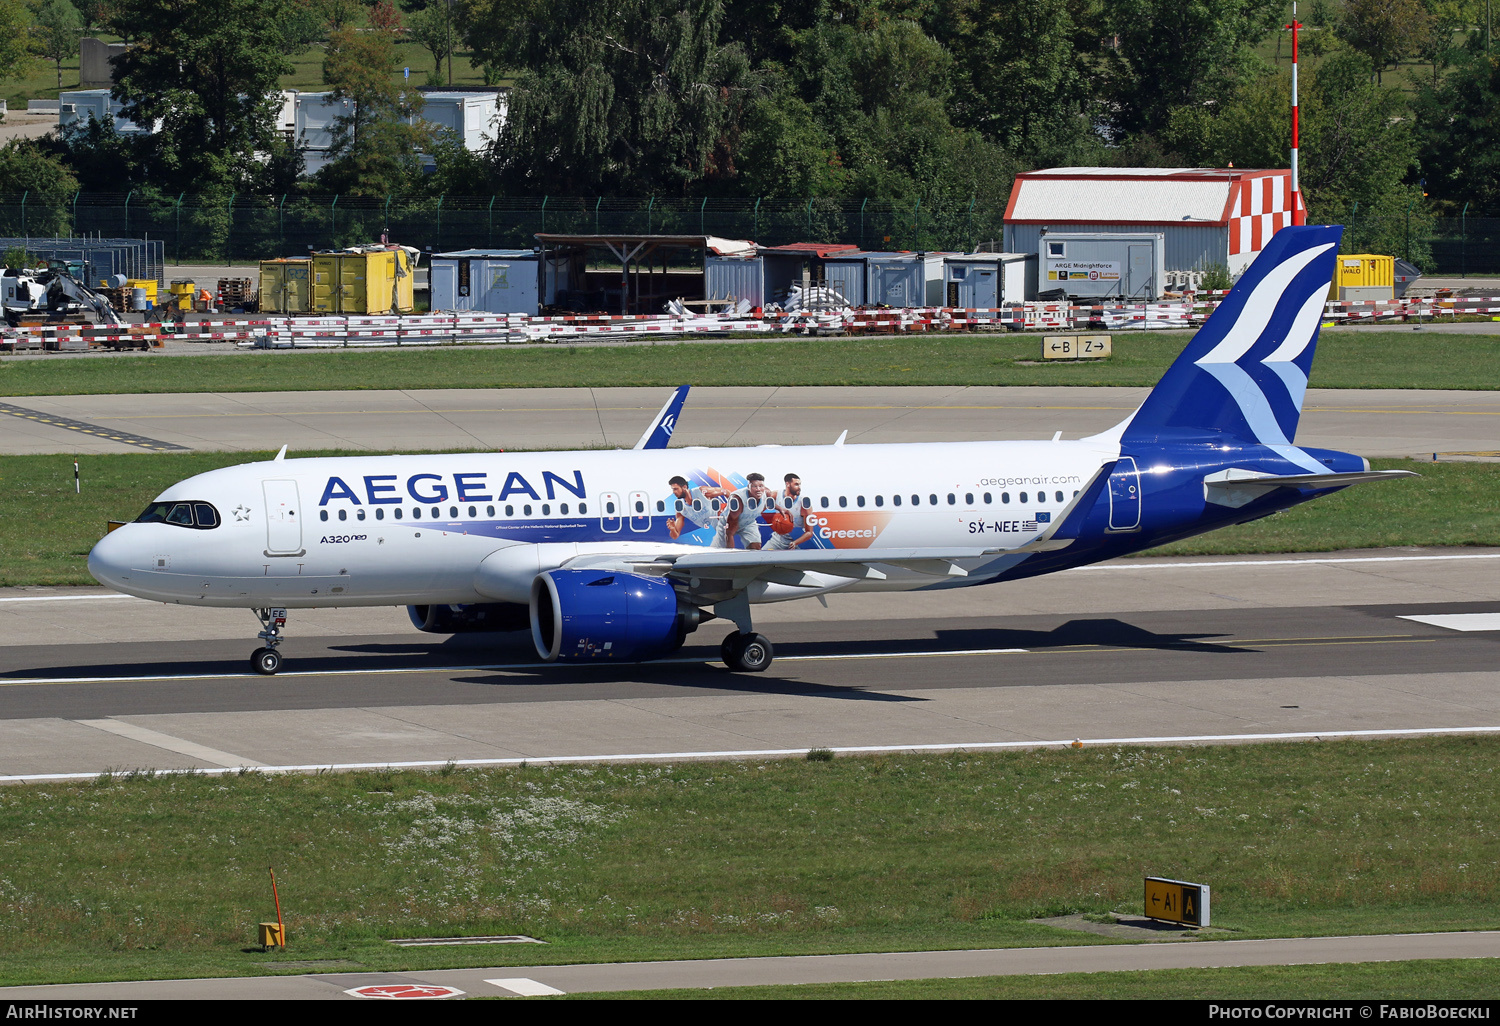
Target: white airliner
(618,556)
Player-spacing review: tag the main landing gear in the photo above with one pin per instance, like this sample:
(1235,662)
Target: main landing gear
(267,660)
(747,652)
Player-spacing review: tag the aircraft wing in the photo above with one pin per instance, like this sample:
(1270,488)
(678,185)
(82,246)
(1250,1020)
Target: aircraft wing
(1235,487)
(660,432)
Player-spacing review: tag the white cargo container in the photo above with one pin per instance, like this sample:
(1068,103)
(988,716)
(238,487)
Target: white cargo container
(984,281)
(474,117)
(734,278)
(491,280)
(904,279)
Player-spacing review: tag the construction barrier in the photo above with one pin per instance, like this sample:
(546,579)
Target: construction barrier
(447,329)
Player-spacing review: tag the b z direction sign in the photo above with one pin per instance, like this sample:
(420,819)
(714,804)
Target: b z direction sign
(1177,901)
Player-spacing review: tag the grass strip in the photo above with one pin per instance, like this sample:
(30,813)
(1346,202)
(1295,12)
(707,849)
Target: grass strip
(141,876)
(1345,360)
(1426,980)
(46,530)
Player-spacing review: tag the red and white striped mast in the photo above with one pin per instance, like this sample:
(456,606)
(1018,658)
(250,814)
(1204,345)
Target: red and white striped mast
(1298,216)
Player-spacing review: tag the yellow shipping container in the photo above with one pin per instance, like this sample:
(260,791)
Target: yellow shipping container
(362,283)
(149,284)
(284,285)
(1363,276)
(182,290)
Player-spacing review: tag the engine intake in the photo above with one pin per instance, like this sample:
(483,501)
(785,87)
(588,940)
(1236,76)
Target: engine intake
(584,615)
(469,619)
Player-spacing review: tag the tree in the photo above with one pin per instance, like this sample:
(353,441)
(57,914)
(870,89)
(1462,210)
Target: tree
(15,38)
(1383,30)
(434,30)
(57,31)
(25,167)
(209,73)
(637,97)
(1021,68)
(93,12)
(375,145)
(1174,55)
(1458,124)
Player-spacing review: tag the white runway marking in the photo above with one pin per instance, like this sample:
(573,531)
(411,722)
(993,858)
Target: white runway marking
(522,987)
(1461,621)
(169,743)
(773,753)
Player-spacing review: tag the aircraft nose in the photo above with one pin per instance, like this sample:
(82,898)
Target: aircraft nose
(109,559)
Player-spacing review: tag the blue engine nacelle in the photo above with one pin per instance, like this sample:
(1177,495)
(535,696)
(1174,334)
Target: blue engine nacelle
(583,615)
(469,619)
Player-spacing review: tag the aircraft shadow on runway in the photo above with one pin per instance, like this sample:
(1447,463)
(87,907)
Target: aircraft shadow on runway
(513,650)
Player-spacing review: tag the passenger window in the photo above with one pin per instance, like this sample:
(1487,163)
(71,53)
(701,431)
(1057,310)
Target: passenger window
(546,509)
(859,500)
(1075,493)
(932,500)
(359,514)
(678,505)
(916,500)
(661,507)
(988,498)
(823,502)
(181,514)
(1005,497)
(379,513)
(563,509)
(843,501)
(969,499)
(437,511)
(510,511)
(896,499)
(397,511)
(489,510)
(206,514)
(473,512)
(640,507)
(416,512)
(609,507)
(526,509)
(952,499)
(583,508)
(1023,498)
(1060,497)
(343,514)
(697,505)
(322,514)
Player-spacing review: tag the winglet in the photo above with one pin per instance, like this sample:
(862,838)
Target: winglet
(660,432)
(280,455)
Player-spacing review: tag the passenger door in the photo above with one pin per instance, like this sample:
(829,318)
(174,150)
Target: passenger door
(283,519)
(1125,496)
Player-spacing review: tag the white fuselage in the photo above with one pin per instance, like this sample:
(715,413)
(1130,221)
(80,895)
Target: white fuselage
(478,527)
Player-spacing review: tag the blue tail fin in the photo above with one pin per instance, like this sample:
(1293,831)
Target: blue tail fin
(1245,372)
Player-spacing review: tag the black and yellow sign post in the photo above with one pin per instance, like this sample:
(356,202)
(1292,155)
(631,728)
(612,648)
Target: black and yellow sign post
(1177,901)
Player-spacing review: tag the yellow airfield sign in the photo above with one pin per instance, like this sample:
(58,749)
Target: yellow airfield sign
(1177,901)
(1076,347)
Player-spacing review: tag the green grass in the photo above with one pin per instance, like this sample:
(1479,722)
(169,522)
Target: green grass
(1427,980)
(46,530)
(1347,360)
(131,877)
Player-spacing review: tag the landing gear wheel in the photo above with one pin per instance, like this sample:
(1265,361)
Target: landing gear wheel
(265,661)
(748,653)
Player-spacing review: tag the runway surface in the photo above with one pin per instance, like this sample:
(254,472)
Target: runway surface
(539,980)
(1384,422)
(1227,649)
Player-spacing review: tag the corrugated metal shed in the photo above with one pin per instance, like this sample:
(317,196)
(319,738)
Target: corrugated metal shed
(733,279)
(1209,216)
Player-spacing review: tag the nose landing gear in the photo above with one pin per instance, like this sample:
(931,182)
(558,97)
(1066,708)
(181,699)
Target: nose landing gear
(267,660)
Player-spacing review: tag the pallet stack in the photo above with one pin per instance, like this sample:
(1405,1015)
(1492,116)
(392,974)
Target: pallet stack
(237,294)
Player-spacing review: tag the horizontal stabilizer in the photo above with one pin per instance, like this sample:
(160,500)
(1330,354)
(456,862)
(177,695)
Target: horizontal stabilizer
(1236,487)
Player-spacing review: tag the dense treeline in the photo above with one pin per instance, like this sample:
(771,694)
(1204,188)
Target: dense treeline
(913,100)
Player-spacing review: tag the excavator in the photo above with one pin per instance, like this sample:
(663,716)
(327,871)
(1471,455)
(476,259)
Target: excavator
(52,294)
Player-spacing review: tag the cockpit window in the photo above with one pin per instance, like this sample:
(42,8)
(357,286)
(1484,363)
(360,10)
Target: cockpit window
(200,515)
